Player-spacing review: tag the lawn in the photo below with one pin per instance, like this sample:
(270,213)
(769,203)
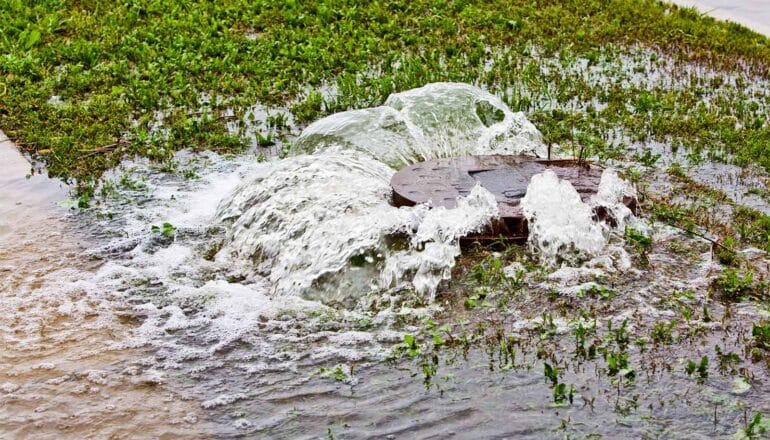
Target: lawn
(85,84)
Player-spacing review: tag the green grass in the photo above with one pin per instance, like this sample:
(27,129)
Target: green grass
(113,65)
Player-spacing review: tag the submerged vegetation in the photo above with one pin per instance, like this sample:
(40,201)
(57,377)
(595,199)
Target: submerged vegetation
(85,84)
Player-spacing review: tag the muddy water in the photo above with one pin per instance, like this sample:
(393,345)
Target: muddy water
(216,305)
(60,376)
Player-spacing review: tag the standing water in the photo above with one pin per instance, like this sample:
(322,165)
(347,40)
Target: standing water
(60,373)
(266,299)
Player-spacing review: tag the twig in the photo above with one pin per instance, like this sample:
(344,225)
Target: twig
(104,149)
(697,234)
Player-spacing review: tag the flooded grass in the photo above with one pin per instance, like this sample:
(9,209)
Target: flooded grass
(665,333)
(82,86)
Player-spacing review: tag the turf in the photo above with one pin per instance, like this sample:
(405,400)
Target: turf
(82,83)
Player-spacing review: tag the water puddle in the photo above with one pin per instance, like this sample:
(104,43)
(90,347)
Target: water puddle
(247,297)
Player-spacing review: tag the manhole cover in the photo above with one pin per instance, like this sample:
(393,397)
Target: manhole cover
(442,181)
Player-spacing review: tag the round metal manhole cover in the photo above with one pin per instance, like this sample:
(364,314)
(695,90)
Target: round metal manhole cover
(442,181)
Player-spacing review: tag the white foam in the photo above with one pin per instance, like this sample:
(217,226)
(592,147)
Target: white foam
(433,121)
(561,226)
(611,193)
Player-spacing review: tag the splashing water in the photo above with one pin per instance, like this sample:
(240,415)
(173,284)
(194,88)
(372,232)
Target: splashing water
(562,228)
(435,244)
(434,121)
(611,193)
(320,226)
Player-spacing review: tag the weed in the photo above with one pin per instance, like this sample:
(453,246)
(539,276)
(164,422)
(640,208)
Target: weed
(620,334)
(409,347)
(641,242)
(760,333)
(597,291)
(662,333)
(265,140)
(756,427)
(337,373)
(733,286)
(116,65)
(700,367)
(617,364)
(727,361)
(166,229)
(546,327)
(581,332)
(726,252)
(647,159)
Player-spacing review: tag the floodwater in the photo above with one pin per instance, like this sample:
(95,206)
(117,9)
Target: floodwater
(59,376)
(264,299)
(754,14)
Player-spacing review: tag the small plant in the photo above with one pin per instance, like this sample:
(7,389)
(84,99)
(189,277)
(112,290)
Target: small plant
(647,159)
(166,229)
(546,326)
(760,333)
(733,286)
(409,346)
(278,121)
(337,373)
(638,238)
(756,427)
(617,365)
(597,291)
(702,368)
(727,361)
(581,332)
(561,394)
(478,299)
(489,271)
(726,252)
(84,201)
(641,242)
(676,170)
(551,373)
(662,333)
(266,140)
(436,333)
(620,335)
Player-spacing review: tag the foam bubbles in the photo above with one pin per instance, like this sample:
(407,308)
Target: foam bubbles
(561,226)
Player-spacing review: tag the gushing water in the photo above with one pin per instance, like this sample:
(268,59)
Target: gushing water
(320,225)
(266,271)
(562,227)
(437,120)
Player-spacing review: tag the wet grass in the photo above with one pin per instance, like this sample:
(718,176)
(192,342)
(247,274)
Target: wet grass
(85,84)
(592,351)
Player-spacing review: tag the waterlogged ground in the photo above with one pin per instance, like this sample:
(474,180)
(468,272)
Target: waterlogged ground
(230,295)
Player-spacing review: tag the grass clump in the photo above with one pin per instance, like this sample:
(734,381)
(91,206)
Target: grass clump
(85,84)
(733,286)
